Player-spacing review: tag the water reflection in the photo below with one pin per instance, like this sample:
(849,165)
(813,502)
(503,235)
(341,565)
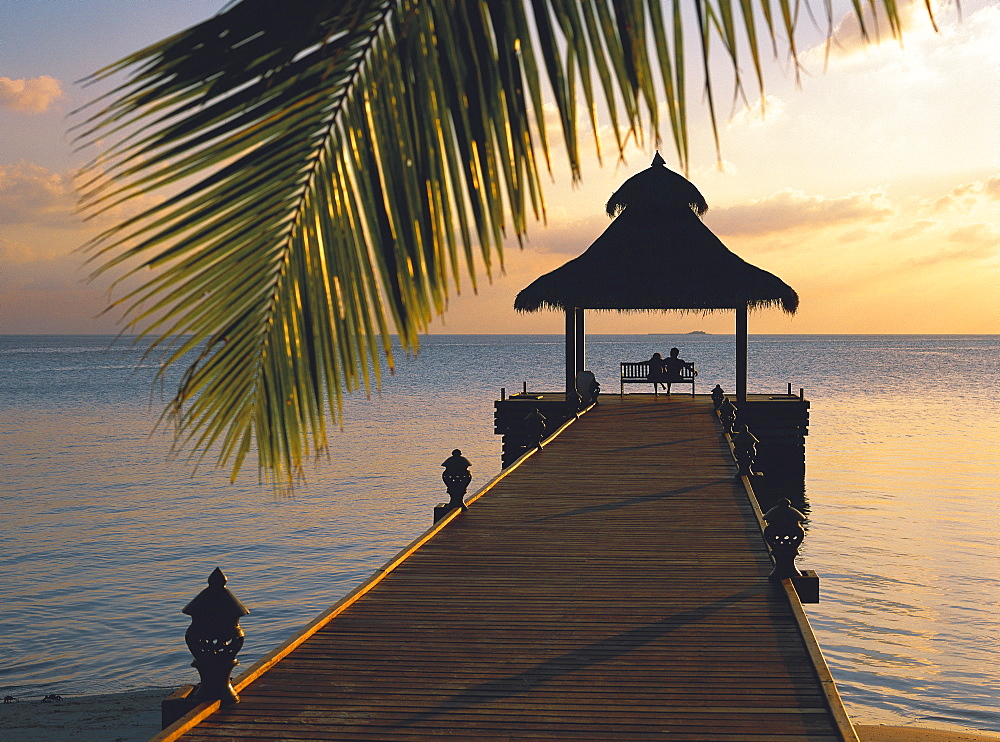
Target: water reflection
(105,538)
(905,516)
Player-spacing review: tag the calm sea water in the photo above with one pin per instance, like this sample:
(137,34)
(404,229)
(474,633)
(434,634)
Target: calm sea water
(105,538)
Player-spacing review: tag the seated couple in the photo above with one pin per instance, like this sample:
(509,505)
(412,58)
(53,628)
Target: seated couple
(665,371)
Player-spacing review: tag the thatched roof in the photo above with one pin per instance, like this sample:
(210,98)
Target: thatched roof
(657,254)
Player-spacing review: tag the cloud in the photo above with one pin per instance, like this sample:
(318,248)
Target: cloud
(970,242)
(964,198)
(955,255)
(791,209)
(887,115)
(567,237)
(15,252)
(29,96)
(587,145)
(904,233)
(766,110)
(29,260)
(31,194)
(976,234)
(991,188)
(952,237)
(849,37)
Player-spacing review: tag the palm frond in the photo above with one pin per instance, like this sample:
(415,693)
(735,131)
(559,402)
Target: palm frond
(330,170)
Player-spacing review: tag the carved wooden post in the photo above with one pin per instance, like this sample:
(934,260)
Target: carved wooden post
(783,535)
(587,389)
(717,396)
(534,428)
(456,477)
(215,638)
(745,451)
(727,415)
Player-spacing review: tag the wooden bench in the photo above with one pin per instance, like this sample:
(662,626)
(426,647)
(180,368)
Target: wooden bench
(637,372)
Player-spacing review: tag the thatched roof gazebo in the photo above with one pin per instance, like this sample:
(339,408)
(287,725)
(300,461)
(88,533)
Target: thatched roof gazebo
(656,255)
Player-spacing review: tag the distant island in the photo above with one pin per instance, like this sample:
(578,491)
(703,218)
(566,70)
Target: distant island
(693,332)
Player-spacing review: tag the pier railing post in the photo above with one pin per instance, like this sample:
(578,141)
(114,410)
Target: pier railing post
(783,535)
(718,394)
(534,429)
(745,451)
(727,414)
(215,638)
(456,478)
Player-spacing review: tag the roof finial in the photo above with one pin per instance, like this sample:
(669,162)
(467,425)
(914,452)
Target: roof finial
(657,160)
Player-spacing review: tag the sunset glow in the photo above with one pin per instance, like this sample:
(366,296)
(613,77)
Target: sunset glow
(873,188)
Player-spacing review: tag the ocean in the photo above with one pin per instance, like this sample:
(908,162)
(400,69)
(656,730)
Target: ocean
(105,536)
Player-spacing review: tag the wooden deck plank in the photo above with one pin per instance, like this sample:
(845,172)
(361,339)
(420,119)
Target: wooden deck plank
(613,587)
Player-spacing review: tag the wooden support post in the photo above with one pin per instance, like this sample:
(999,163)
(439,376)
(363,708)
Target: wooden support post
(581,345)
(570,352)
(741,353)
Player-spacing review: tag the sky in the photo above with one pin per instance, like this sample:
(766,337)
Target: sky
(871,186)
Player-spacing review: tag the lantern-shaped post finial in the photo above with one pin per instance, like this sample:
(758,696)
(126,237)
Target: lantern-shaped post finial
(717,396)
(215,638)
(727,414)
(456,477)
(745,450)
(534,428)
(783,535)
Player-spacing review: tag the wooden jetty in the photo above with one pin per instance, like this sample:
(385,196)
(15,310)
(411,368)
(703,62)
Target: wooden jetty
(612,586)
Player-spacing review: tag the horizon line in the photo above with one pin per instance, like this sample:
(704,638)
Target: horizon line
(594,334)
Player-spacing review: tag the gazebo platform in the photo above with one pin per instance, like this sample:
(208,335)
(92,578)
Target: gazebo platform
(779,421)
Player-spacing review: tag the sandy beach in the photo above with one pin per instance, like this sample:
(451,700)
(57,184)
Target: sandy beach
(878,733)
(118,717)
(135,717)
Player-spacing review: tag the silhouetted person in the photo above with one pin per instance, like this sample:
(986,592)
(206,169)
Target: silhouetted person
(657,371)
(672,368)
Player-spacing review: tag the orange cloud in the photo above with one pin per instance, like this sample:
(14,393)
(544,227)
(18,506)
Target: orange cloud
(967,196)
(567,238)
(17,253)
(790,209)
(991,188)
(29,96)
(31,194)
(977,242)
